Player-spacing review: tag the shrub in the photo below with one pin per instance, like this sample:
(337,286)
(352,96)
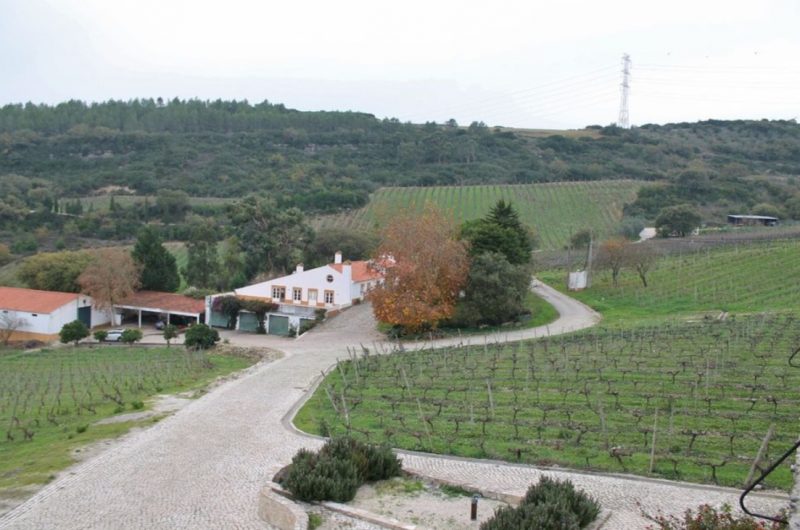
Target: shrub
(73,332)
(549,491)
(708,517)
(100,335)
(170,332)
(548,505)
(131,335)
(373,462)
(314,477)
(314,521)
(200,337)
(338,469)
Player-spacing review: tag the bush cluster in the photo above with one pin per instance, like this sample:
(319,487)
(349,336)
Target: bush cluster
(709,517)
(337,471)
(548,505)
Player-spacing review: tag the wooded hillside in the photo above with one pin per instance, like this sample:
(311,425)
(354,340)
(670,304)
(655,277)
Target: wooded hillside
(327,162)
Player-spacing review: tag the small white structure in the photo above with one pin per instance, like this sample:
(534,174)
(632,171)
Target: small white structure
(40,315)
(647,233)
(301,294)
(577,280)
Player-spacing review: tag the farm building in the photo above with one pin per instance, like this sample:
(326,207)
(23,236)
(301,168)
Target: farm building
(40,315)
(301,294)
(750,220)
(155,305)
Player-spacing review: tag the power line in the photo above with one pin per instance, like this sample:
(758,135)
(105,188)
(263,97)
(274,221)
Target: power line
(547,87)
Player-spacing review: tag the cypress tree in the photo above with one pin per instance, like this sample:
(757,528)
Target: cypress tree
(159,269)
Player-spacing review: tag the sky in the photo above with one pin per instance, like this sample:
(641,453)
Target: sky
(532,64)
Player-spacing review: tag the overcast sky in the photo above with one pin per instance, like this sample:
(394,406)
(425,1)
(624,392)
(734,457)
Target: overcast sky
(537,64)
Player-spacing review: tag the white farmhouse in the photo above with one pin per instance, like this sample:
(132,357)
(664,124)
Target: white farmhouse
(301,294)
(40,315)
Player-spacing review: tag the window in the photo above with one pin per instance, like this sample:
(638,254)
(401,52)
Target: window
(34,315)
(328,297)
(278,292)
(329,278)
(297,294)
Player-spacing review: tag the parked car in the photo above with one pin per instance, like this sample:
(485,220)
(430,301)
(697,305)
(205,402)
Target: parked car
(114,335)
(160,324)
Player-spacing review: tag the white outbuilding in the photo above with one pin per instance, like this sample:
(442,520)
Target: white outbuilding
(31,314)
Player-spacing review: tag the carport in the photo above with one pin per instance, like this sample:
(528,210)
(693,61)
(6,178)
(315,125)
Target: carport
(159,303)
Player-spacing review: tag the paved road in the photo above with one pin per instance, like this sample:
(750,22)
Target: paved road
(204,466)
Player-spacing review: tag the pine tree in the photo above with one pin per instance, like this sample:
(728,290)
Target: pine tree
(159,269)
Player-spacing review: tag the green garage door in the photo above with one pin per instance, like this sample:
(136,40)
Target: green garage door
(85,316)
(248,322)
(218,320)
(278,325)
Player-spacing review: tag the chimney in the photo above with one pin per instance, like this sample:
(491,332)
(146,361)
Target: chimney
(299,268)
(337,258)
(347,271)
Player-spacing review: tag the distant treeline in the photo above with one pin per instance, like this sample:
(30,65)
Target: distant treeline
(324,162)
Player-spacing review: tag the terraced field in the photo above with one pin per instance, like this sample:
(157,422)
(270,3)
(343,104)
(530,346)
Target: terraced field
(555,210)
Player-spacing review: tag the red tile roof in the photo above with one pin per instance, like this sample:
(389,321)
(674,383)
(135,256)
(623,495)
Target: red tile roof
(361,271)
(168,302)
(33,300)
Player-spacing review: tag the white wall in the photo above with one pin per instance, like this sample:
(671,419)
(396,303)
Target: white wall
(51,323)
(310,279)
(31,324)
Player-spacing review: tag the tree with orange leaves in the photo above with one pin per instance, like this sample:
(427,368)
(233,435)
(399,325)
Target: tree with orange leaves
(429,270)
(110,277)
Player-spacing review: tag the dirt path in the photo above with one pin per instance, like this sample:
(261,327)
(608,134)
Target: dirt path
(204,466)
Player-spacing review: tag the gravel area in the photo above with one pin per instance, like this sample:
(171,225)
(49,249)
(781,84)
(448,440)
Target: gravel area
(428,507)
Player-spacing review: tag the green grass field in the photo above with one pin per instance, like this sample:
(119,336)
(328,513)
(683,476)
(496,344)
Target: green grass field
(51,399)
(709,391)
(555,210)
(736,278)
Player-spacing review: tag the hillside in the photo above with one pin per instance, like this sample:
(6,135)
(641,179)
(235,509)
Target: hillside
(554,211)
(326,161)
(746,278)
(164,161)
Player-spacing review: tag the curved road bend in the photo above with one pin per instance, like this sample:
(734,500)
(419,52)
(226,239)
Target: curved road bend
(202,468)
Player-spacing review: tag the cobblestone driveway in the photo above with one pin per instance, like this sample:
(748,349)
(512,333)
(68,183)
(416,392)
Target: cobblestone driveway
(203,467)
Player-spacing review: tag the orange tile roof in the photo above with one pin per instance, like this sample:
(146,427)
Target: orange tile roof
(33,300)
(361,271)
(164,301)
